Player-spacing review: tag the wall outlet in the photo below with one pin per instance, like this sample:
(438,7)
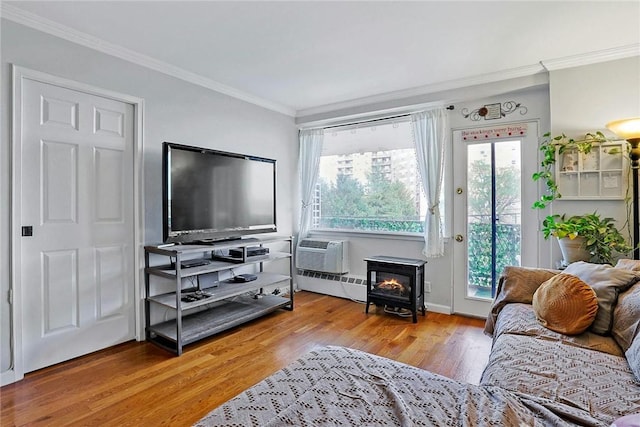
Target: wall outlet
(427,286)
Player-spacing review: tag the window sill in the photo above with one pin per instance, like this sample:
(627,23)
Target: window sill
(416,237)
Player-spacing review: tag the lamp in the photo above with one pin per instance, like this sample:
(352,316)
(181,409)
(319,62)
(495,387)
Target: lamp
(629,129)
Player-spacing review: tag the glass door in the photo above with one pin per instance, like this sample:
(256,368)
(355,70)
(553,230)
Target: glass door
(493,213)
(488,216)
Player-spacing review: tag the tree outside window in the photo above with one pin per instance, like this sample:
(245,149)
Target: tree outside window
(369,180)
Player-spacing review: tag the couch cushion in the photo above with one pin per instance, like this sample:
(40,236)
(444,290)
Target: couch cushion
(565,304)
(598,383)
(519,319)
(607,282)
(626,317)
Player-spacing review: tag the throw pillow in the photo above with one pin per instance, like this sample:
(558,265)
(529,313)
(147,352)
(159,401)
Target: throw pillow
(565,304)
(628,264)
(626,317)
(516,284)
(607,282)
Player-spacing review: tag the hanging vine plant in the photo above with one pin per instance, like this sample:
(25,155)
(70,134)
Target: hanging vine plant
(601,239)
(556,146)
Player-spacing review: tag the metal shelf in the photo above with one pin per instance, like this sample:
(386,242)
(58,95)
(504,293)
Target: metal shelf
(228,304)
(169,271)
(210,322)
(225,289)
(191,249)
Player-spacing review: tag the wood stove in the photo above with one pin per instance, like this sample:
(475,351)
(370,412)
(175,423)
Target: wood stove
(396,282)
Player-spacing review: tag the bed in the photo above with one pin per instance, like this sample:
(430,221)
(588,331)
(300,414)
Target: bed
(337,386)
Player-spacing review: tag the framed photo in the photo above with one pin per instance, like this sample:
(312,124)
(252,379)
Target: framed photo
(494,111)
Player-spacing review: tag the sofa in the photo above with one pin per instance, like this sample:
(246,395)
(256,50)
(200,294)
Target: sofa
(595,373)
(535,376)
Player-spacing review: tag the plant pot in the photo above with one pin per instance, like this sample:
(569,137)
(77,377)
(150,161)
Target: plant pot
(573,250)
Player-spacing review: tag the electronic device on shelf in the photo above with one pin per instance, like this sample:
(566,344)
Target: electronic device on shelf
(210,194)
(243,278)
(194,262)
(251,251)
(193,297)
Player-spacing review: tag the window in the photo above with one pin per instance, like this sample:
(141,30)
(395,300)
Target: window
(369,180)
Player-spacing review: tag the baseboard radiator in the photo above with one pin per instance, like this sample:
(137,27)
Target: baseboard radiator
(346,286)
(337,285)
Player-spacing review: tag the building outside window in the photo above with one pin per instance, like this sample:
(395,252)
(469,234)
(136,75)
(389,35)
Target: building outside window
(369,180)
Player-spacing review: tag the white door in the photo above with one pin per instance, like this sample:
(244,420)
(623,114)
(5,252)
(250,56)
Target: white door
(77,213)
(492,203)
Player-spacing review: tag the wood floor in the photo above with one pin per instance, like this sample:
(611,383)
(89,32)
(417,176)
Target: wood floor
(138,384)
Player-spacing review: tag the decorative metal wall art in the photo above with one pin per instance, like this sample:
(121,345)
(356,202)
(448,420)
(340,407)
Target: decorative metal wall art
(494,111)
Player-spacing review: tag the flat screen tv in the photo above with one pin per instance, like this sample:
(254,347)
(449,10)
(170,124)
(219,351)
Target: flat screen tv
(211,195)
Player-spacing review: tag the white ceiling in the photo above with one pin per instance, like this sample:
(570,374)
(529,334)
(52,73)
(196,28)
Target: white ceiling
(301,57)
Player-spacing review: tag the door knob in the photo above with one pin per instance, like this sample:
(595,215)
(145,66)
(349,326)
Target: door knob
(459,238)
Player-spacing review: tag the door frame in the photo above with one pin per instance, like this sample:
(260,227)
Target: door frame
(16,370)
(529,193)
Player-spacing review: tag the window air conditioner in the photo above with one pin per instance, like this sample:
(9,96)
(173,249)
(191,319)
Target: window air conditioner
(328,256)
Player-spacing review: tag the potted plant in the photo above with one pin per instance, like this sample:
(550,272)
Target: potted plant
(594,238)
(551,147)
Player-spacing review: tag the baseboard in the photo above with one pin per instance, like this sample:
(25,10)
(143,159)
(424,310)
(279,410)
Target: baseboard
(8,377)
(347,286)
(438,308)
(350,287)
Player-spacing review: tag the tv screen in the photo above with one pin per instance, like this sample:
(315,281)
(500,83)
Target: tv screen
(214,195)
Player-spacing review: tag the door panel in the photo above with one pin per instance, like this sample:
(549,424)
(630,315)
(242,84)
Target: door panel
(59,291)
(59,182)
(77,193)
(109,191)
(111,288)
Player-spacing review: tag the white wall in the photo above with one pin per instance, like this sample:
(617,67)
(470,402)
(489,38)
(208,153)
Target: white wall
(174,111)
(583,99)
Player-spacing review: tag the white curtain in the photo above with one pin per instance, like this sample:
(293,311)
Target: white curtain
(430,133)
(309,164)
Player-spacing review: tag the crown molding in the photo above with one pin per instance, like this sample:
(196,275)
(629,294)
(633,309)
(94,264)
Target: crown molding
(526,71)
(427,89)
(592,57)
(39,23)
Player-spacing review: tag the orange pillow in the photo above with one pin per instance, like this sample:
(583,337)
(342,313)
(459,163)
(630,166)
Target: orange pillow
(565,304)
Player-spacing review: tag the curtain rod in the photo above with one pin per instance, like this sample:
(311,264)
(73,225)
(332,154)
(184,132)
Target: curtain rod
(450,107)
(367,121)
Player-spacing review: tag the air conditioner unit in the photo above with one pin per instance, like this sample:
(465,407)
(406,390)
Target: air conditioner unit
(328,256)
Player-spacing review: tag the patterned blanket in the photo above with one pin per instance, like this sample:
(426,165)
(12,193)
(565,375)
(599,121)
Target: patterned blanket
(586,371)
(333,386)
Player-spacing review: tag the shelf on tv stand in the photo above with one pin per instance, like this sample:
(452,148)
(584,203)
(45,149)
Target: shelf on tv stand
(232,313)
(225,289)
(169,271)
